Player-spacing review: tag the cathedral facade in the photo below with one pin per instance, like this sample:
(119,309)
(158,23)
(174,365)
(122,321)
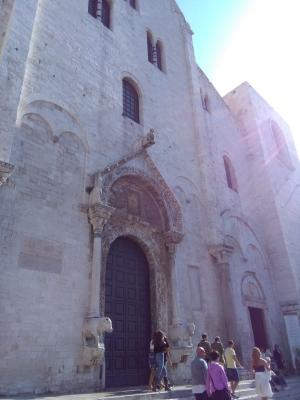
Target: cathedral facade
(134,197)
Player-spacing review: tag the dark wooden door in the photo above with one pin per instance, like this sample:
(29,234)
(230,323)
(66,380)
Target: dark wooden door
(127,303)
(258,326)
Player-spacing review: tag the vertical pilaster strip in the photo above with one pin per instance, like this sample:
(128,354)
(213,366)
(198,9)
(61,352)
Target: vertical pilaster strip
(221,256)
(99,214)
(171,241)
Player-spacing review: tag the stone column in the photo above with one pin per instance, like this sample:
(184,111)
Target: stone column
(221,256)
(171,240)
(99,214)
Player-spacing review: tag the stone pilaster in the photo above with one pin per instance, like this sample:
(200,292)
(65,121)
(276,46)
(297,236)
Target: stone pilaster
(6,170)
(221,255)
(171,240)
(99,214)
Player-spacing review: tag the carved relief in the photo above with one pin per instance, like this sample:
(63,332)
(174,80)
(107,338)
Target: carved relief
(156,188)
(128,197)
(6,170)
(251,288)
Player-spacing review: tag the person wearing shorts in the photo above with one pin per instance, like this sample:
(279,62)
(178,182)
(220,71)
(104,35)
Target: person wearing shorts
(231,367)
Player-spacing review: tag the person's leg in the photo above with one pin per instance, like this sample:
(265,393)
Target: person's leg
(197,396)
(165,377)
(159,358)
(235,381)
(234,385)
(151,378)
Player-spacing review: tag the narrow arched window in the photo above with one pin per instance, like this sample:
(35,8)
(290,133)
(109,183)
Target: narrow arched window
(150,47)
(230,174)
(159,55)
(205,101)
(130,101)
(132,3)
(105,13)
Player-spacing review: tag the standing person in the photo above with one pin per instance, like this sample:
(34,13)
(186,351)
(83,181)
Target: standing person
(216,381)
(278,358)
(199,374)
(218,346)
(161,347)
(152,365)
(261,368)
(206,346)
(231,367)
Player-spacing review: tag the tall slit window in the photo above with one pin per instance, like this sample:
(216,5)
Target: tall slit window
(159,56)
(100,9)
(150,48)
(92,9)
(130,101)
(132,3)
(230,174)
(105,13)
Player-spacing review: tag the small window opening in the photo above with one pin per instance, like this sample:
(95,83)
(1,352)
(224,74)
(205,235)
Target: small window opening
(132,3)
(105,13)
(230,174)
(150,48)
(159,56)
(130,101)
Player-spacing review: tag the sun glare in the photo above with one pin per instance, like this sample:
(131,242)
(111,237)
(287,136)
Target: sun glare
(264,46)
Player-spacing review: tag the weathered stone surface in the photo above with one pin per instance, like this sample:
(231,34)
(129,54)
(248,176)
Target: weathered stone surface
(84,174)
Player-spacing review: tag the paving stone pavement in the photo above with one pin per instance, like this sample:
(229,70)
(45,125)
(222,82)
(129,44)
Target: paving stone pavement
(246,391)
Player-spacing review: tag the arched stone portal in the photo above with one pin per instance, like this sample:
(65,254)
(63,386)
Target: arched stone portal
(136,212)
(127,303)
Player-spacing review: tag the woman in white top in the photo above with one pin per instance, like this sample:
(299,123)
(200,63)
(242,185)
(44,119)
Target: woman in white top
(262,375)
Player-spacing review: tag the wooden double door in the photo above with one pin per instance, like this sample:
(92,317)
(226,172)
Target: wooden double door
(127,303)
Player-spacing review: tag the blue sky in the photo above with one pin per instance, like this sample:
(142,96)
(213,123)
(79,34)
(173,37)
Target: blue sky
(212,21)
(250,40)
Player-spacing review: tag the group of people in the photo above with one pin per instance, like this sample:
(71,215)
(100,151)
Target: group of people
(209,377)
(214,368)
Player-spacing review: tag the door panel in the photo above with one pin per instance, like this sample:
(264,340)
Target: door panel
(258,326)
(127,303)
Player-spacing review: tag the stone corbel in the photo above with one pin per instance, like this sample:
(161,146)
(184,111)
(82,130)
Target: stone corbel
(172,238)
(6,170)
(99,214)
(221,253)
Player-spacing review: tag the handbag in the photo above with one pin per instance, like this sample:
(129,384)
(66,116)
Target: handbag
(219,394)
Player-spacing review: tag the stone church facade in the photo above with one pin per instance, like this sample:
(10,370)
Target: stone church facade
(131,190)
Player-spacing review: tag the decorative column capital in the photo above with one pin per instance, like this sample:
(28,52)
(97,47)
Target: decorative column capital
(6,170)
(172,238)
(99,214)
(221,253)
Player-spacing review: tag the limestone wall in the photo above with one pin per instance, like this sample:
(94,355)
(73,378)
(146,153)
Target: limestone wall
(70,125)
(62,123)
